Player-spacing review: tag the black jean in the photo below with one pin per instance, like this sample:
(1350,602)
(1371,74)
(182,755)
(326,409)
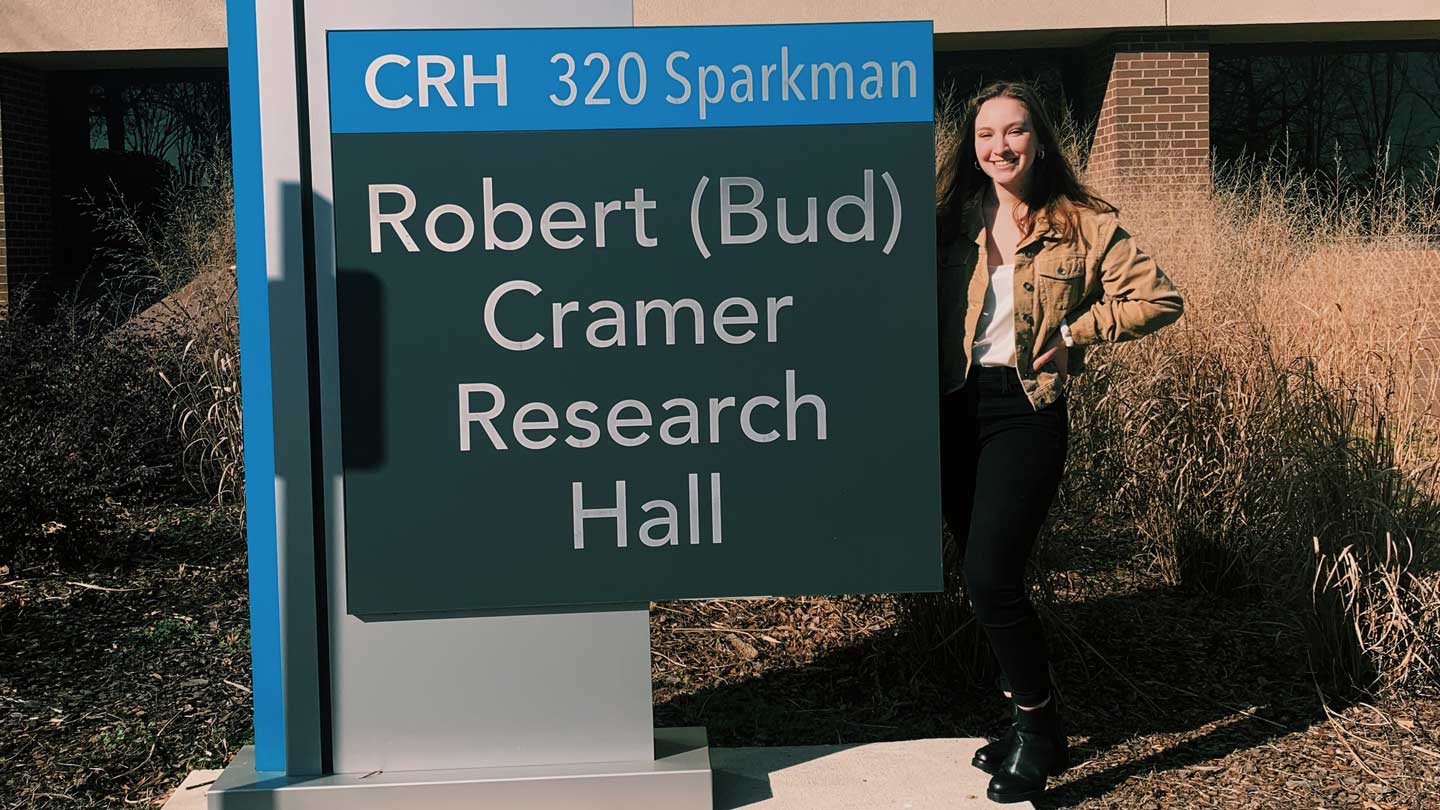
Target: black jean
(1000,466)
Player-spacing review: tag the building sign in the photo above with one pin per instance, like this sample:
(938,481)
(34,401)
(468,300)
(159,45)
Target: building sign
(635,314)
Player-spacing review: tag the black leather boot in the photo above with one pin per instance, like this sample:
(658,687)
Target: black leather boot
(990,757)
(1040,751)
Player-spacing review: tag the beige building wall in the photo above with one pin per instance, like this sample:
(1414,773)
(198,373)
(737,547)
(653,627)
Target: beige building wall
(61,26)
(43,26)
(949,15)
(1262,12)
(958,16)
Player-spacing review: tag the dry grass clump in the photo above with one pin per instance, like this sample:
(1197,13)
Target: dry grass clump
(107,408)
(1377,617)
(184,262)
(206,385)
(1281,442)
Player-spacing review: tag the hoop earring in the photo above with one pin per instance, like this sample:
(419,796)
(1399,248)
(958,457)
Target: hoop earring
(1042,151)
(977,166)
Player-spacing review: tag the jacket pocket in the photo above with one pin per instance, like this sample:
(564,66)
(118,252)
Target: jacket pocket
(1060,284)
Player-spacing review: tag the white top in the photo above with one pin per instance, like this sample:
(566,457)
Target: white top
(995,334)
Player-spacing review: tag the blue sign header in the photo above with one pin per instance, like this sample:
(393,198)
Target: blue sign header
(493,80)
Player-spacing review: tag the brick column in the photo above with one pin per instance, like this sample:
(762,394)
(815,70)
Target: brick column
(25,235)
(1150,98)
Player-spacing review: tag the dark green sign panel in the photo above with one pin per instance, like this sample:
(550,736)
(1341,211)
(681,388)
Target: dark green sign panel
(607,366)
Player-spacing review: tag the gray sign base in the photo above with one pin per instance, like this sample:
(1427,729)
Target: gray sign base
(678,778)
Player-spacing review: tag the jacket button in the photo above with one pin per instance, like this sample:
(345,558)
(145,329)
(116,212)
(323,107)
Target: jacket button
(1028,287)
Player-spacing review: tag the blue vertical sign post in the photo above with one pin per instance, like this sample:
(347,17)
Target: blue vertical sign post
(586,317)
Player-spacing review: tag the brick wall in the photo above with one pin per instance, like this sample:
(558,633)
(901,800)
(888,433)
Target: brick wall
(1150,98)
(25,204)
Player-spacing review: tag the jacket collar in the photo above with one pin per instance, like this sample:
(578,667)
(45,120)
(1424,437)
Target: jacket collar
(973,224)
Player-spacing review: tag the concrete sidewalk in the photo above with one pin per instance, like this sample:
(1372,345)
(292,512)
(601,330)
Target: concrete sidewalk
(909,775)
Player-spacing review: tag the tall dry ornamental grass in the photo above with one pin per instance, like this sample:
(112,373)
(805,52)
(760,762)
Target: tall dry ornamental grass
(183,260)
(206,384)
(1282,441)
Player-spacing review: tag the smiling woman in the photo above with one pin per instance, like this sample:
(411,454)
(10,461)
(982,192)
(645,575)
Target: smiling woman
(1005,139)
(1032,265)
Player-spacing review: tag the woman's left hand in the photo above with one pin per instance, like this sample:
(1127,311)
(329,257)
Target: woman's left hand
(1054,349)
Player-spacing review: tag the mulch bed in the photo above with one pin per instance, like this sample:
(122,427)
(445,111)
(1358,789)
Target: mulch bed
(1168,705)
(115,683)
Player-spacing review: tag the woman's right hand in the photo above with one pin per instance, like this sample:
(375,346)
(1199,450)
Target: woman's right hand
(1056,350)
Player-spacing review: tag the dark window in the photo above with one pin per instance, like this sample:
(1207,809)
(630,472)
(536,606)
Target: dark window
(181,120)
(128,137)
(1352,111)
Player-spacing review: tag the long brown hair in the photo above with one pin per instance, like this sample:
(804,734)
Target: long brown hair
(1054,188)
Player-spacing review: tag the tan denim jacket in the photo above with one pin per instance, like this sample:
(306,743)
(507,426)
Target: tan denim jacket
(1102,284)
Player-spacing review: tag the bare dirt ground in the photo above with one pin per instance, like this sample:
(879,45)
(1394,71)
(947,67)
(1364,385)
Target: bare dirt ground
(115,683)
